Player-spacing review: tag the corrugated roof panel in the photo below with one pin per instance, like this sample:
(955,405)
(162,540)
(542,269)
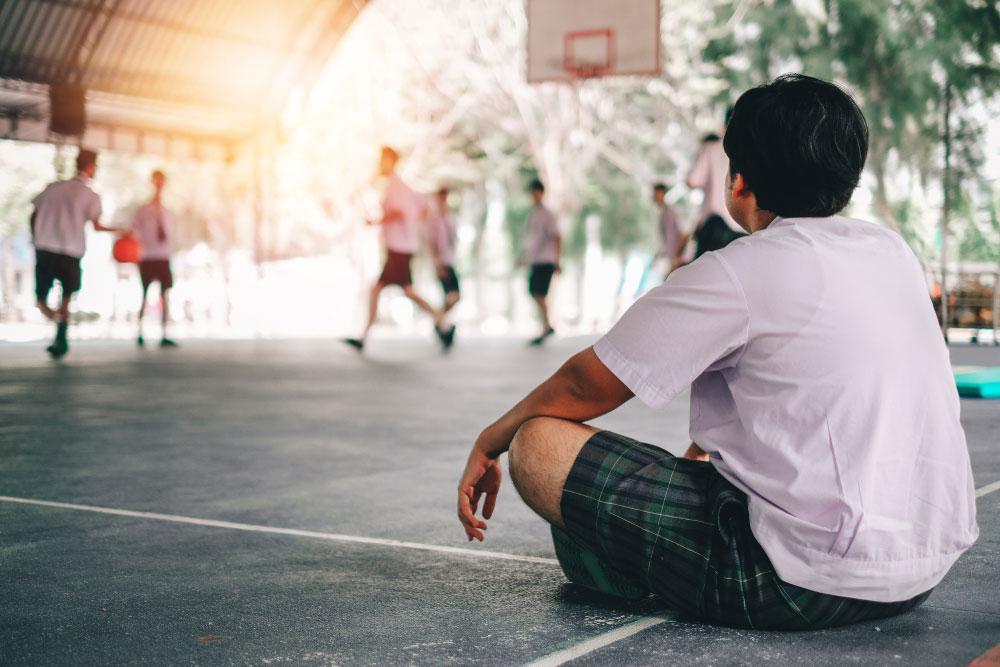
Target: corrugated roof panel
(208,54)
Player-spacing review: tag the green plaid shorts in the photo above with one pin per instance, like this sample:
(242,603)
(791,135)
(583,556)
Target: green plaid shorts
(661,524)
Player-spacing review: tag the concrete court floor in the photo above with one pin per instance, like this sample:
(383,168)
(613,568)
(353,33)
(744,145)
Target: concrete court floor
(306,435)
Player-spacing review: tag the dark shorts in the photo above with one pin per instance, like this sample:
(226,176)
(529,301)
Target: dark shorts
(449,281)
(156,271)
(540,279)
(714,234)
(52,266)
(677,528)
(396,270)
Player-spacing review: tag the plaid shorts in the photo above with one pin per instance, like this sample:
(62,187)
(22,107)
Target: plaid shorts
(677,528)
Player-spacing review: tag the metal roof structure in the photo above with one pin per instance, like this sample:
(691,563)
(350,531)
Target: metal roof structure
(175,76)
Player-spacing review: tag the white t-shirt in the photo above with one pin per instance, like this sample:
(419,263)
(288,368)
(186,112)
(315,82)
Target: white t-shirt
(402,235)
(146,223)
(821,387)
(668,226)
(709,174)
(62,211)
(441,232)
(543,237)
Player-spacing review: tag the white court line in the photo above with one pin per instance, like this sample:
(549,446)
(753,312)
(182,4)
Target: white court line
(254,528)
(989,488)
(595,643)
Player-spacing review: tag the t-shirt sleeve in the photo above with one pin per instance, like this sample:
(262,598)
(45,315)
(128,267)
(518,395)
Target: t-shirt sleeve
(697,320)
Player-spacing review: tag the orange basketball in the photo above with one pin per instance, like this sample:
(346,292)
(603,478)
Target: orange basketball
(127,250)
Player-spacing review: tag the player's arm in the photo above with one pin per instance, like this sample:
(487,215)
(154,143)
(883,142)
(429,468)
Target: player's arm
(103,228)
(557,240)
(581,390)
(390,216)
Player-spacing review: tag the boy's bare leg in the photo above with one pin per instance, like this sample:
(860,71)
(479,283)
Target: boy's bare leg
(142,313)
(412,295)
(372,308)
(543,312)
(450,299)
(46,311)
(541,455)
(165,340)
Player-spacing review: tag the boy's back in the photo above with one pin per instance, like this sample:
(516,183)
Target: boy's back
(849,439)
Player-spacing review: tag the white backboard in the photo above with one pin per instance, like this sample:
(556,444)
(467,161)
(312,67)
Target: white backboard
(571,39)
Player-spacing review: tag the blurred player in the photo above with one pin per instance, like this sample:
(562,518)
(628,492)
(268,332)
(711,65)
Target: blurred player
(441,234)
(715,228)
(58,231)
(542,252)
(153,225)
(668,228)
(402,211)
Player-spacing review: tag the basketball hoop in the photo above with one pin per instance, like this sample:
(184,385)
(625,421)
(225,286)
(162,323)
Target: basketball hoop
(589,53)
(578,40)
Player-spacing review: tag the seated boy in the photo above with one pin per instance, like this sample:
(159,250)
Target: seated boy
(829,481)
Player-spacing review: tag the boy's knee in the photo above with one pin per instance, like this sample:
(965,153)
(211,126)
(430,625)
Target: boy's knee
(528,441)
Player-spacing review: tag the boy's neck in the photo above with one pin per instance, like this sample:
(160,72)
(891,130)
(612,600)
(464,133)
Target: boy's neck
(759,220)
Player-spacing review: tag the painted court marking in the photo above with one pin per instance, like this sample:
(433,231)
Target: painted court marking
(598,642)
(254,528)
(989,488)
(551,660)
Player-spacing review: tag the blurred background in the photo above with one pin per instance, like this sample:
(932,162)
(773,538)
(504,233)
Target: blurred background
(267,118)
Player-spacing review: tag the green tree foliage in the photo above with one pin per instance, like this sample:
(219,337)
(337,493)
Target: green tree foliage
(902,59)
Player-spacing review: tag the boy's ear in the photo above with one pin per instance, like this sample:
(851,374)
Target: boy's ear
(738,186)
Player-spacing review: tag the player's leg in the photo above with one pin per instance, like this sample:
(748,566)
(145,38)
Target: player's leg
(67,272)
(44,277)
(376,290)
(423,305)
(373,297)
(539,282)
(166,284)
(140,341)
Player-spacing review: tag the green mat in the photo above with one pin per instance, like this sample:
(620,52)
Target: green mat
(983,383)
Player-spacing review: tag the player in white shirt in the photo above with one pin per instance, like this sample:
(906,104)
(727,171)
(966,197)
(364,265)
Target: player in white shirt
(441,238)
(542,250)
(153,226)
(403,211)
(829,480)
(58,231)
(715,227)
(667,228)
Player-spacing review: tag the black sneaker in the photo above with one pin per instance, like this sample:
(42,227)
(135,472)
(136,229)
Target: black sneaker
(166,342)
(58,349)
(356,343)
(446,336)
(140,341)
(541,339)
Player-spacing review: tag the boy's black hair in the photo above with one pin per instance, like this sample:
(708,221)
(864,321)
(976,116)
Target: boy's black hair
(84,158)
(800,145)
(709,138)
(536,185)
(661,187)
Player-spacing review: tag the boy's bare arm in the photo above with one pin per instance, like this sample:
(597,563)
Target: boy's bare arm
(582,389)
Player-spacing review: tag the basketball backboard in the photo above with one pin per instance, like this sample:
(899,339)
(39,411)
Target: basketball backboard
(574,39)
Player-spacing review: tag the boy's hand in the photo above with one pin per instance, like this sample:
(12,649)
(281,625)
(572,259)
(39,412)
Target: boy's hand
(481,476)
(695,453)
